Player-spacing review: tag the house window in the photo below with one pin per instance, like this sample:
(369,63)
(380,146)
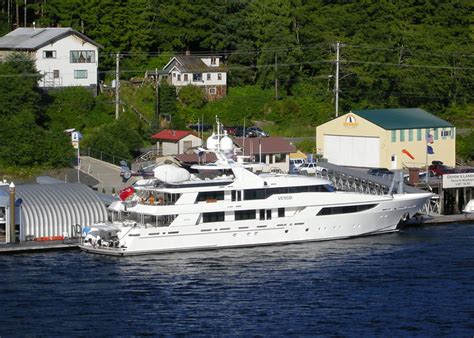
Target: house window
(197,77)
(49,54)
(402,135)
(410,135)
(179,77)
(214,61)
(208,77)
(418,134)
(445,133)
(212,91)
(185,77)
(174,74)
(56,74)
(219,76)
(80,74)
(279,158)
(82,56)
(394,136)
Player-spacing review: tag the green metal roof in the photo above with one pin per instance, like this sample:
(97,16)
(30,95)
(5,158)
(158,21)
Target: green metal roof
(405,118)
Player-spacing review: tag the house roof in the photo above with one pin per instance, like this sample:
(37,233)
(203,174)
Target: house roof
(269,145)
(405,118)
(171,135)
(35,38)
(190,64)
(194,158)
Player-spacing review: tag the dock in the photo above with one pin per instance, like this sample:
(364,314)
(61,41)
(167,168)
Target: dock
(439,219)
(32,246)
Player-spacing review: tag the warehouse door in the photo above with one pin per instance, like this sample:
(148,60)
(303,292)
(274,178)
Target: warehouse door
(352,151)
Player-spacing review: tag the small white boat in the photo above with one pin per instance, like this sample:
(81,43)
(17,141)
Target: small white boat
(469,208)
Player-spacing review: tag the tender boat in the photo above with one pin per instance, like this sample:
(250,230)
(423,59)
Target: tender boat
(469,208)
(227,206)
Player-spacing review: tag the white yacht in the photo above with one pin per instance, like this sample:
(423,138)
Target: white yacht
(180,211)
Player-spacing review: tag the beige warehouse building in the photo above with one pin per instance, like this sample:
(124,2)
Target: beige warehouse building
(389,138)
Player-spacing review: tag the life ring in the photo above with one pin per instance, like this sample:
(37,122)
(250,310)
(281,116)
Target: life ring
(160,200)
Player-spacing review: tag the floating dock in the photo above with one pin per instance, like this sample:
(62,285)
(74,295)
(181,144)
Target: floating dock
(32,247)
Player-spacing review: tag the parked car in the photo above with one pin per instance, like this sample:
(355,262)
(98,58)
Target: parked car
(249,132)
(311,169)
(200,127)
(379,172)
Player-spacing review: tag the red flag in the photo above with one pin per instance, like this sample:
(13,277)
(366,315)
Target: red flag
(126,193)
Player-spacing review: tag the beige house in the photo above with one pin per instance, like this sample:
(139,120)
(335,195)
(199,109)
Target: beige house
(174,142)
(388,138)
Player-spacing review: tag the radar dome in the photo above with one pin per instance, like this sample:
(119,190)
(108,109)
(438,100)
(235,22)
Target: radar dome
(212,142)
(226,143)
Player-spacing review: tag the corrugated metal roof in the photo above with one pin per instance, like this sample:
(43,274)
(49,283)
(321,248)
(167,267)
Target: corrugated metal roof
(52,209)
(32,39)
(405,118)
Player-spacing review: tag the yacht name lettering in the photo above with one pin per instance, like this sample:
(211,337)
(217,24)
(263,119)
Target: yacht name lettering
(285,197)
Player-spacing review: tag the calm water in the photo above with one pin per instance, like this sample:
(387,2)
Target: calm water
(417,282)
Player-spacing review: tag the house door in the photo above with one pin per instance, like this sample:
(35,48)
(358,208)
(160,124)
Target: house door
(393,160)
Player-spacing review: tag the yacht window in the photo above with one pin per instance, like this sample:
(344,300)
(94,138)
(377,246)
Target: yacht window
(269,214)
(209,217)
(345,209)
(254,194)
(209,196)
(245,214)
(281,212)
(262,214)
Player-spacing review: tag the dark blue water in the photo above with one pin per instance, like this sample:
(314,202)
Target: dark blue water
(419,282)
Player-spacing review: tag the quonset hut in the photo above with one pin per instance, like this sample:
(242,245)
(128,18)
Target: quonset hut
(46,210)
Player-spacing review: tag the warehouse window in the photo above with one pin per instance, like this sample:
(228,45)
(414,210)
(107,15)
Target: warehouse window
(402,135)
(394,136)
(418,134)
(410,135)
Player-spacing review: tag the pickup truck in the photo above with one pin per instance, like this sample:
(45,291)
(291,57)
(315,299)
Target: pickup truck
(311,169)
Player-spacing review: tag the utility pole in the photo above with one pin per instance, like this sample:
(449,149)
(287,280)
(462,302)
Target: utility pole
(24,14)
(157,94)
(117,85)
(276,77)
(336,89)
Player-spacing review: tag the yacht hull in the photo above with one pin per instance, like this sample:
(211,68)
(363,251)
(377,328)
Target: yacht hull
(306,225)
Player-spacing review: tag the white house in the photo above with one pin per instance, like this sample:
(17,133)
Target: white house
(63,56)
(205,72)
(174,142)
